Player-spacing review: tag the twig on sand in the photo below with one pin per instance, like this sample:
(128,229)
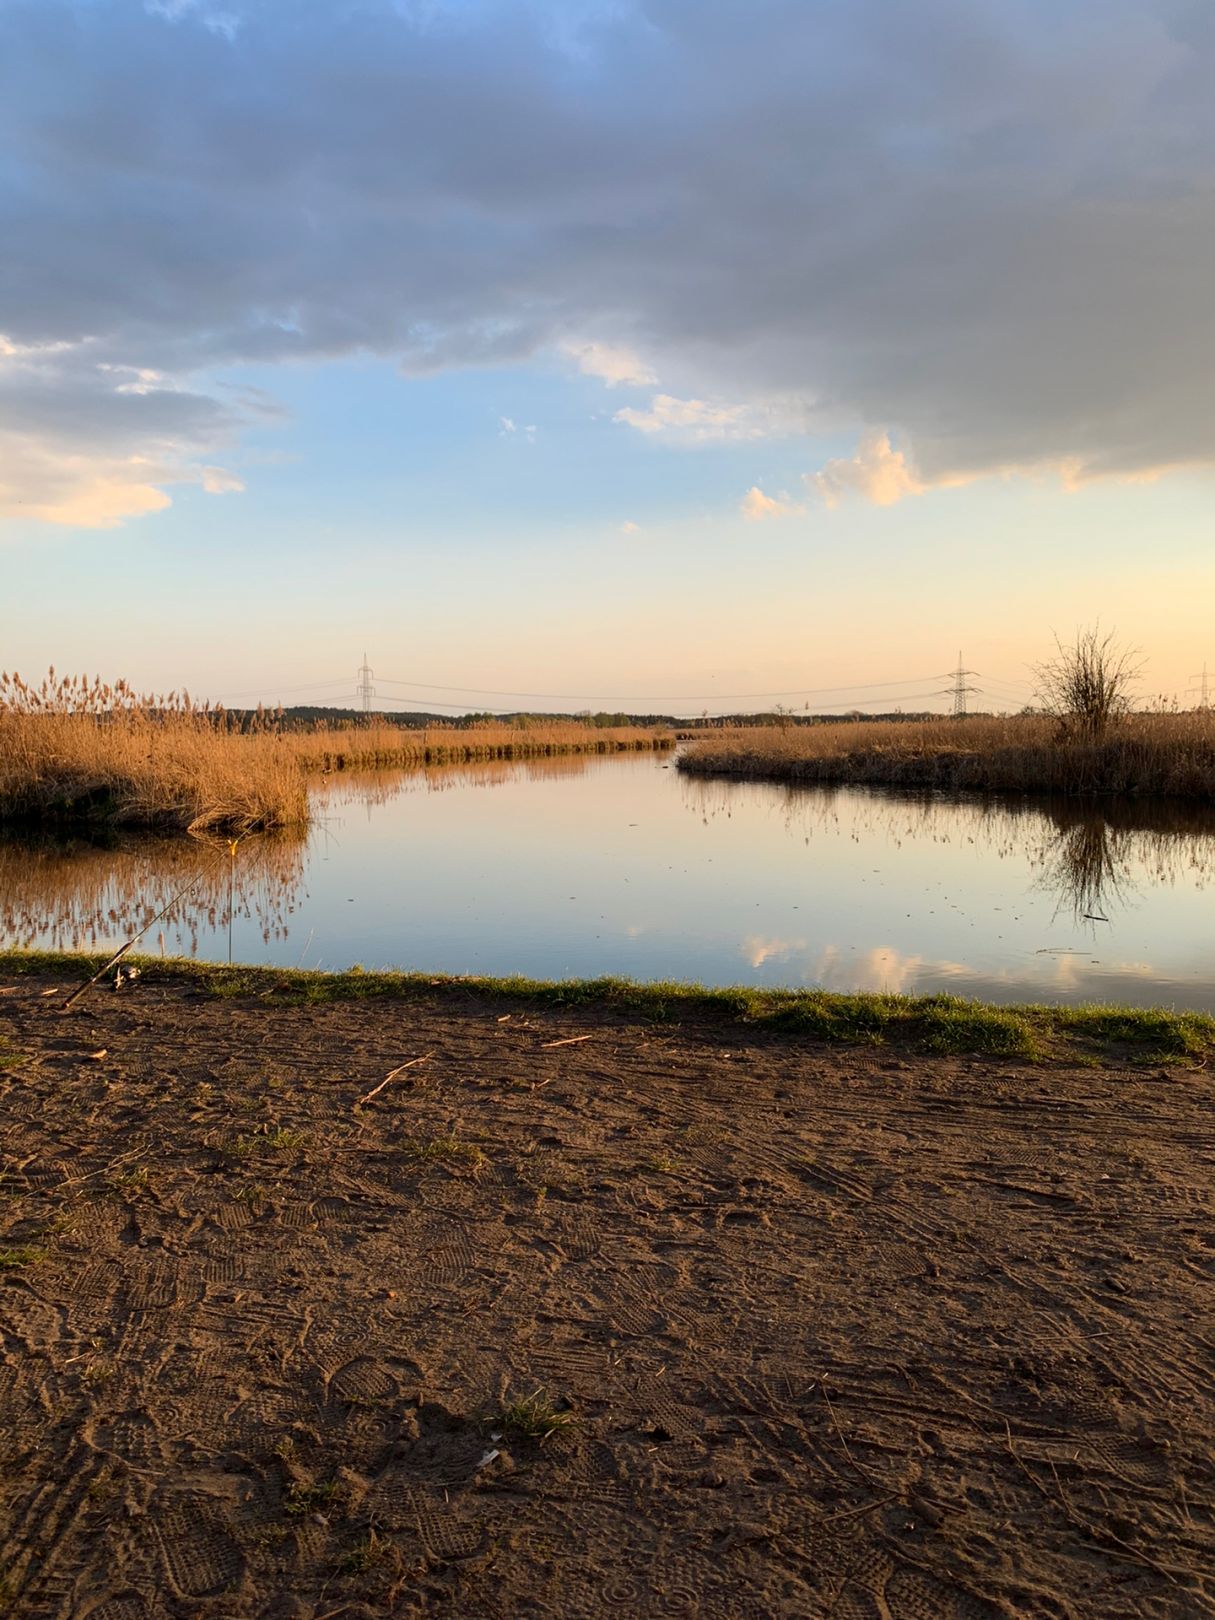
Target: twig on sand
(570,1040)
(389,1078)
(123,1158)
(863,1472)
(856,1512)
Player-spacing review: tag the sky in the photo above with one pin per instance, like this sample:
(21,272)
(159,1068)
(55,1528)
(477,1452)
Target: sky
(673,354)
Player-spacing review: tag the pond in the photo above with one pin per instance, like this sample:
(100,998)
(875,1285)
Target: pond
(581,867)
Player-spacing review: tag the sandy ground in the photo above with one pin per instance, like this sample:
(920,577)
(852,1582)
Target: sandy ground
(822,1331)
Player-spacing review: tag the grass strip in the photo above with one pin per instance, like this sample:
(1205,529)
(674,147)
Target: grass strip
(931,1024)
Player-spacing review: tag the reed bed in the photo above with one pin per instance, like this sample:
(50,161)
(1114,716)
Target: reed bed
(1170,755)
(75,749)
(377,746)
(78,750)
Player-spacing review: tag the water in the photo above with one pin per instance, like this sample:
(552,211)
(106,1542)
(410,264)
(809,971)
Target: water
(585,867)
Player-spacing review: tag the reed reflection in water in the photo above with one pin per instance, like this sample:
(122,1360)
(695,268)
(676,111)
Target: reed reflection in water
(74,895)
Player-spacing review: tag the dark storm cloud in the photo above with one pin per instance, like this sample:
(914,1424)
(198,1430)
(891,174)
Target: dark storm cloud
(987,227)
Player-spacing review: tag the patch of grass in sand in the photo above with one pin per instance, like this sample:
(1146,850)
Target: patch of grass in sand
(132,1183)
(8,1058)
(444,1149)
(665,1164)
(372,1552)
(933,1024)
(23,1255)
(269,1142)
(531,1417)
(301,1499)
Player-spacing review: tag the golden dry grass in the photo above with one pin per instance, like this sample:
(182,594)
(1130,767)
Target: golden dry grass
(377,745)
(78,749)
(1169,754)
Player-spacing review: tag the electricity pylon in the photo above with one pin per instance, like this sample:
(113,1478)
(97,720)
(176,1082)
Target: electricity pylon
(959,691)
(365,689)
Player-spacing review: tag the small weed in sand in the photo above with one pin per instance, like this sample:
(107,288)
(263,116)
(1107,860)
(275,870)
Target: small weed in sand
(132,1183)
(532,1417)
(667,1165)
(99,1372)
(15,1259)
(267,1141)
(270,1535)
(301,1499)
(371,1553)
(448,1150)
(253,1193)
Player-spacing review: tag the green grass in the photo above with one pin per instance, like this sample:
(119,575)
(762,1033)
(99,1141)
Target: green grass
(937,1024)
(531,1417)
(448,1150)
(301,1499)
(16,1258)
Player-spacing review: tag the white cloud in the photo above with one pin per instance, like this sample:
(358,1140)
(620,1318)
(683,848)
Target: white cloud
(692,419)
(88,442)
(877,473)
(757,507)
(508,426)
(618,367)
(629,527)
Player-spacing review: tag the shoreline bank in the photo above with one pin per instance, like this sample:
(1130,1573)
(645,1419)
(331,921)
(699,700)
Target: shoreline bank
(929,1024)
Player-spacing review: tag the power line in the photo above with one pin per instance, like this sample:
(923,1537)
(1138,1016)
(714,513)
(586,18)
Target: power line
(653,706)
(696,697)
(1203,688)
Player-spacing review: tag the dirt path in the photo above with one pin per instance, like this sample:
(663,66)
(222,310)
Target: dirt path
(818,1331)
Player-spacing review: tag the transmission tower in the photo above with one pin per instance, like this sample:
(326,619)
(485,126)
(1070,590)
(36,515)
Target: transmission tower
(1203,687)
(959,691)
(365,690)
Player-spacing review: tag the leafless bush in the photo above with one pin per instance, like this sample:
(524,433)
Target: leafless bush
(1088,685)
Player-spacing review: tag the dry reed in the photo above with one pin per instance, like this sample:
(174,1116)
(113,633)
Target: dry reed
(1166,754)
(377,745)
(76,749)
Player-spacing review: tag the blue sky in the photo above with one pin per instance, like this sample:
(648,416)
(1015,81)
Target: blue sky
(629,350)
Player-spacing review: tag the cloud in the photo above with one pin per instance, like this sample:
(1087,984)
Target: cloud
(877,473)
(617,367)
(756,507)
(88,443)
(985,228)
(218,481)
(508,427)
(629,527)
(692,419)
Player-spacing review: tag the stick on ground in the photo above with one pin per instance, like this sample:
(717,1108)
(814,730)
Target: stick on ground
(389,1078)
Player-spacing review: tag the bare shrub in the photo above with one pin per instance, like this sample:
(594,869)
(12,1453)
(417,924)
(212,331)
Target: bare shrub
(1088,685)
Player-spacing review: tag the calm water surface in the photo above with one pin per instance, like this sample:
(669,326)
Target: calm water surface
(584,867)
